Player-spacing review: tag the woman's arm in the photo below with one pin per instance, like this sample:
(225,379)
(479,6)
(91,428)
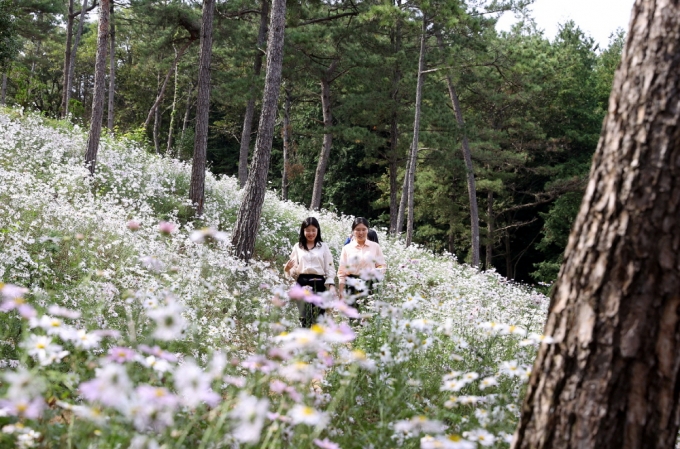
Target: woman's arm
(329,265)
(291,266)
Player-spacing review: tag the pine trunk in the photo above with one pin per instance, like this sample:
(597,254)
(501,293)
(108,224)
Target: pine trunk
(173,112)
(67,56)
(250,107)
(286,146)
(396,40)
(508,256)
(197,188)
(187,111)
(250,211)
(72,64)
(393,168)
(99,85)
(4,89)
(322,165)
(490,223)
(112,72)
(161,93)
(612,379)
(416,134)
(469,169)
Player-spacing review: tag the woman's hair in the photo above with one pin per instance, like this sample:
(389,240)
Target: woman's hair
(372,236)
(307,222)
(360,220)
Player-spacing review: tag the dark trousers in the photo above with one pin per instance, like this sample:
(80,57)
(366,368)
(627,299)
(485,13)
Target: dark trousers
(309,312)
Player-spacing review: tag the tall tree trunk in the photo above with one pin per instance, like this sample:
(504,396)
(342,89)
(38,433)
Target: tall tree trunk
(393,169)
(112,72)
(508,256)
(4,89)
(67,56)
(99,85)
(322,165)
(469,169)
(187,111)
(612,379)
(396,40)
(250,107)
(248,218)
(409,179)
(72,64)
(197,189)
(490,223)
(156,127)
(173,112)
(172,68)
(286,145)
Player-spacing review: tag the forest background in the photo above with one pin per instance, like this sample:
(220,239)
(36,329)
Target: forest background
(531,109)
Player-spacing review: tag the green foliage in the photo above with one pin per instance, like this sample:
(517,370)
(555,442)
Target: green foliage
(9,42)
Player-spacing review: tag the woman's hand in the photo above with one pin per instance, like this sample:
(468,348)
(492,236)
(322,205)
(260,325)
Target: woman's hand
(341,291)
(290,264)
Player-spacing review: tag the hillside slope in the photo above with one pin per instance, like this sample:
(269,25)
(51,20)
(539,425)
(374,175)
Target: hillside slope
(107,282)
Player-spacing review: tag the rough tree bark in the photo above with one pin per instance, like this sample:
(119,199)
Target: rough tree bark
(322,165)
(112,72)
(4,89)
(250,107)
(72,63)
(197,187)
(490,223)
(612,380)
(248,218)
(99,85)
(409,177)
(286,145)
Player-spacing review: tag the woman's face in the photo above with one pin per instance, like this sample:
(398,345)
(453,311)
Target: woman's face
(310,233)
(360,232)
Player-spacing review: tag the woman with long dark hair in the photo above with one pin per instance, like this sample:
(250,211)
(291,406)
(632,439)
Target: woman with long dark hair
(311,265)
(360,258)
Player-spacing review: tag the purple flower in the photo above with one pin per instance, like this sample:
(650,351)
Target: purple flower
(326,444)
(158,352)
(120,354)
(10,291)
(111,386)
(258,363)
(158,396)
(23,407)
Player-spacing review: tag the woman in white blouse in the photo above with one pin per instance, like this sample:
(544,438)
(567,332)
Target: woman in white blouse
(360,258)
(311,264)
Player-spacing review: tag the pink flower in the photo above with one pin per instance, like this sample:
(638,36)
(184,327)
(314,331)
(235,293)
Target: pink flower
(158,352)
(10,291)
(258,363)
(62,311)
(298,292)
(346,310)
(326,444)
(134,225)
(165,227)
(23,407)
(119,354)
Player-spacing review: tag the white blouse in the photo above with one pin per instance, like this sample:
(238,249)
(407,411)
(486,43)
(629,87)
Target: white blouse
(317,260)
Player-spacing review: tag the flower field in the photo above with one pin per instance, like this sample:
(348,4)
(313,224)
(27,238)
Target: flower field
(124,323)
